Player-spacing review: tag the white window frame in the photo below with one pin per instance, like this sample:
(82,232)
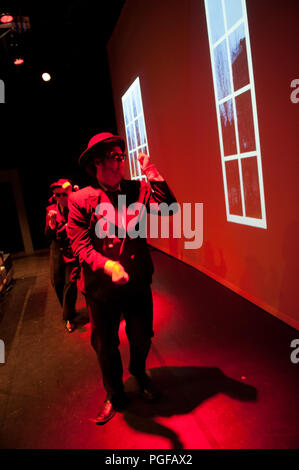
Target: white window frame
(255,222)
(128,97)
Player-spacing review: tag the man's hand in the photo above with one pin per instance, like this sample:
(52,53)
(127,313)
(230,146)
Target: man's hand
(52,218)
(148,168)
(144,160)
(116,271)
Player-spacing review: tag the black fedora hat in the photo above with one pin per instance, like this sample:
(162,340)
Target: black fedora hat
(95,144)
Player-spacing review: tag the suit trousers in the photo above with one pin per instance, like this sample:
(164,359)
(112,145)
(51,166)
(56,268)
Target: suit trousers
(64,280)
(135,303)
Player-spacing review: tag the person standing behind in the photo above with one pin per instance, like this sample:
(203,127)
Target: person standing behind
(64,267)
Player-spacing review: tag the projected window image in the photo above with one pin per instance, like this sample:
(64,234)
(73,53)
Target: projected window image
(135,128)
(236,111)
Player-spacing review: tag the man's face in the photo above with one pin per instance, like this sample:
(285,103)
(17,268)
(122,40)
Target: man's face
(62,195)
(112,167)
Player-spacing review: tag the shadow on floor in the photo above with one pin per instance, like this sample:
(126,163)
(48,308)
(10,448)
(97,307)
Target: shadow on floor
(183,389)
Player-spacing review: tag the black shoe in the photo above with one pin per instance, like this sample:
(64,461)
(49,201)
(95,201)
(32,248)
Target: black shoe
(110,407)
(147,390)
(106,413)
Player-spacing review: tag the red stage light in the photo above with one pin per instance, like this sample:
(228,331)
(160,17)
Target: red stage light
(18,61)
(6,19)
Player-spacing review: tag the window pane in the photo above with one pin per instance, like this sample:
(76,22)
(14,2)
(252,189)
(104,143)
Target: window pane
(238,55)
(133,137)
(233,187)
(142,130)
(232,71)
(134,105)
(131,156)
(251,187)
(135,163)
(127,111)
(245,122)
(137,133)
(129,138)
(138,169)
(216,19)
(135,127)
(234,11)
(228,128)
(137,100)
(222,71)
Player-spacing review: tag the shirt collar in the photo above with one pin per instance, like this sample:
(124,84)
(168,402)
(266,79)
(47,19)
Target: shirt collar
(105,188)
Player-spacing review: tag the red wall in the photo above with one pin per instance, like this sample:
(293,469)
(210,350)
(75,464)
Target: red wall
(165,43)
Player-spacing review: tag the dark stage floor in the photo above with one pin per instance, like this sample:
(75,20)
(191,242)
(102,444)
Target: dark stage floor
(223,363)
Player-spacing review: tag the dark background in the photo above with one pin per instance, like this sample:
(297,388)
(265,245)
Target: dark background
(46,125)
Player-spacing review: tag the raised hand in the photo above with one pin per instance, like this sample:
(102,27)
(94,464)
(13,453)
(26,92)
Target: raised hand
(144,160)
(52,214)
(148,168)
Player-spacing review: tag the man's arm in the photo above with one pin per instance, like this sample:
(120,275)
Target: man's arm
(50,228)
(78,232)
(159,190)
(79,235)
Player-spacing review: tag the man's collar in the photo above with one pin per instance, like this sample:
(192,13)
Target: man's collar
(108,188)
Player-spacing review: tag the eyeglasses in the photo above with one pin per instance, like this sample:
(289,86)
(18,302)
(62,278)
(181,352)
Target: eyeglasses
(118,157)
(61,194)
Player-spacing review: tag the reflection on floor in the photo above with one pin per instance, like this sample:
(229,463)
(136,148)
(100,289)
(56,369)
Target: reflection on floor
(223,365)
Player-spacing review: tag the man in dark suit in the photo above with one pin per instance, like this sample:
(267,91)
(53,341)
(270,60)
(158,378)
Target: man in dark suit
(117,266)
(64,268)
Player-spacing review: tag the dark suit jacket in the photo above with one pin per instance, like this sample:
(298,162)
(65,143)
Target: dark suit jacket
(60,245)
(93,252)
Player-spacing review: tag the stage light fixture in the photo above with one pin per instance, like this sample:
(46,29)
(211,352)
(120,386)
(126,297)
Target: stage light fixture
(6,18)
(46,76)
